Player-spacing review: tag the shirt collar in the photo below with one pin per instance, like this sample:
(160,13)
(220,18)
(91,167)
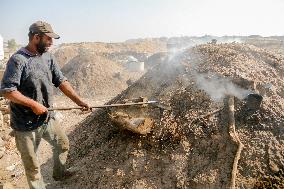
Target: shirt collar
(25,51)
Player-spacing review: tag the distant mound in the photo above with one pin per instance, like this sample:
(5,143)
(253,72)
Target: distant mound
(114,51)
(94,75)
(189,147)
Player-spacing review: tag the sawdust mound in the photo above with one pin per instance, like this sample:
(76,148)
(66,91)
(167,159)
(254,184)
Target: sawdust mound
(187,148)
(94,75)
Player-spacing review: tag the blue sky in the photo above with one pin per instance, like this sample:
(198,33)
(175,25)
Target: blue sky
(119,20)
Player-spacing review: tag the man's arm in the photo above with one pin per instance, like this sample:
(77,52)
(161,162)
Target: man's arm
(19,98)
(68,90)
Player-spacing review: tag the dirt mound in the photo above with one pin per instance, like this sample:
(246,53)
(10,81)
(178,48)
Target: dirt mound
(194,145)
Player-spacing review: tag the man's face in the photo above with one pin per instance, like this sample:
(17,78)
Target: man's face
(43,44)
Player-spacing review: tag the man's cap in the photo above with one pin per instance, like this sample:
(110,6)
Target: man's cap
(43,27)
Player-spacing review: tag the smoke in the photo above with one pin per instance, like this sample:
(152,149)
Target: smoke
(218,87)
(175,53)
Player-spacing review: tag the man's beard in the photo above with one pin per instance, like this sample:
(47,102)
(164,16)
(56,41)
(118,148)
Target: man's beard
(41,47)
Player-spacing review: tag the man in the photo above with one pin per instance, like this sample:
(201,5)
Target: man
(28,83)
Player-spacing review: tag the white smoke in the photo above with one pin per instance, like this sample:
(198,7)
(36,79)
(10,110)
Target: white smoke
(218,87)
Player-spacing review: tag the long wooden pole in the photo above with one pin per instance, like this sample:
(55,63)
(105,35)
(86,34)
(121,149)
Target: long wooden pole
(102,106)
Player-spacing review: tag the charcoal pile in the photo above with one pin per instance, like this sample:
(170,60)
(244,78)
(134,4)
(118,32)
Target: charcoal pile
(211,137)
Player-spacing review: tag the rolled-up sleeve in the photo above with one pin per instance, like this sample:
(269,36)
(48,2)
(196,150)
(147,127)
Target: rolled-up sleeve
(12,75)
(57,75)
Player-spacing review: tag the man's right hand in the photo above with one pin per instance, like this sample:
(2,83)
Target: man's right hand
(38,108)
(19,98)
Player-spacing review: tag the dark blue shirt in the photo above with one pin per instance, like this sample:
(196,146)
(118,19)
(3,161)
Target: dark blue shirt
(34,76)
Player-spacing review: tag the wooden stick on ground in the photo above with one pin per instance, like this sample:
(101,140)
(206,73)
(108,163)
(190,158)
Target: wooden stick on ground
(229,106)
